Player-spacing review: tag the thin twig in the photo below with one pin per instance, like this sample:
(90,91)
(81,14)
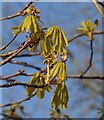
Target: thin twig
(8,53)
(85,77)
(18,102)
(10,117)
(25,64)
(4,47)
(13,75)
(98,8)
(21,84)
(91,58)
(80,35)
(14,55)
(17,14)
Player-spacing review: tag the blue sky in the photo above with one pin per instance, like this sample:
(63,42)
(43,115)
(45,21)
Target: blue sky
(68,16)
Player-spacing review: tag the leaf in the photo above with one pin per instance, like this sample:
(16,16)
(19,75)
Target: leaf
(48,88)
(64,38)
(29,90)
(35,27)
(55,69)
(64,97)
(14,28)
(27,23)
(40,93)
(55,102)
(50,31)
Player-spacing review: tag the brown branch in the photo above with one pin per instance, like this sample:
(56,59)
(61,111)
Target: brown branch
(21,84)
(18,102)
(85,77)
(25,64)
(80,35)
(15,54)
(17,14)
(13,75)
(91,58)
(4,47)
(8,116)
(29,54)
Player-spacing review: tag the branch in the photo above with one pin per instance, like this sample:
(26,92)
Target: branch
(13,75)
(80,35)
(17,14)
(18,102)
(85,77)
(15,54)
(4,47)
(8,116)
(25,64)
(91,57)
(21,84)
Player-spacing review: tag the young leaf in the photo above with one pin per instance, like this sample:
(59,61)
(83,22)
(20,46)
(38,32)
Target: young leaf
(64,97)
(40,93)
(48,88)
(55,102)
(55,69)
(29,90)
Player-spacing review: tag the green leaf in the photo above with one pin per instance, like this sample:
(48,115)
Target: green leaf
(55,69)
(64,38)
(55,102)
(14,28)
(27,23)
(64,97)
(48,88)
(34,26)
(29,90)
(40,93)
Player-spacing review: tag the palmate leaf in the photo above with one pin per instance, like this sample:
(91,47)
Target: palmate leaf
(29,90)
(60,97)
(59,70)
(58,38)
(45,46)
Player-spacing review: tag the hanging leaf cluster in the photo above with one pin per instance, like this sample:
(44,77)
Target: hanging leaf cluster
(38,79)
(88,28)
(60,71)
(60,97)
(53,43)
(30,25)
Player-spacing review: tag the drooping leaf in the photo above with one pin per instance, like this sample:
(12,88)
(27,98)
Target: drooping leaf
(40,93)
(55,69)
(48,88)
(55,102)
(60,97)
(32,81)
(64,97)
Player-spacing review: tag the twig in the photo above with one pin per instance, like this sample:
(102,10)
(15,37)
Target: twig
(72,76)
(29,54)
(25,64)
(91,57)
(8,116)
(17,14)
(100,3)
(15,54)
(98,8)
(4,47)
(21,84)
(13,75)
(8,54)
(85,77)
(80,35)
(18,102)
